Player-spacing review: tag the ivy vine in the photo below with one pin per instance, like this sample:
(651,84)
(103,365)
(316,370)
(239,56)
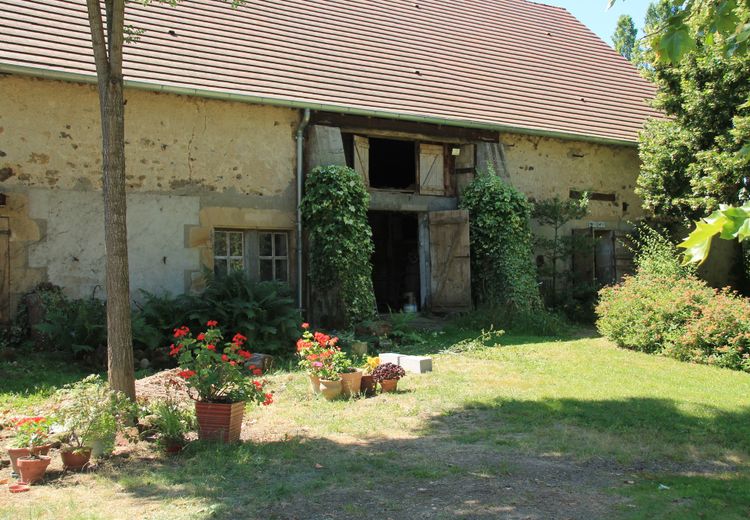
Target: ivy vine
(334,213)
(502,269)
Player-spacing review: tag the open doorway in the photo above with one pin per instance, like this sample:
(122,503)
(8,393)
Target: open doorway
(395,261)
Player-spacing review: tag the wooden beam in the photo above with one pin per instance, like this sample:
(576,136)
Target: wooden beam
(378,127)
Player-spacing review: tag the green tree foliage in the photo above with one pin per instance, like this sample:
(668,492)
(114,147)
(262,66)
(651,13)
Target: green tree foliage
(691,163)
(556,213)
(624,36)
(334,213)
(501,243)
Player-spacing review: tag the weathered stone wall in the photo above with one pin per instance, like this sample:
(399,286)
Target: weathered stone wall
(192,165)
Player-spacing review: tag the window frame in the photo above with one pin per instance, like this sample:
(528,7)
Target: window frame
(251,257)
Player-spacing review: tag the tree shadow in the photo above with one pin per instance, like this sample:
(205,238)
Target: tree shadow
(552,458)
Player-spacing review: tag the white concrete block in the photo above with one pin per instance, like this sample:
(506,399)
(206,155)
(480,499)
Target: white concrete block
(389,357)
(416,364)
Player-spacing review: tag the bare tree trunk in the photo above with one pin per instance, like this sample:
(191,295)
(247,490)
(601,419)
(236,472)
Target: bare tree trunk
(108,59)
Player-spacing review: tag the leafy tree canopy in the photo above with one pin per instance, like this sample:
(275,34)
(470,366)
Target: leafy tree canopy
(624,37)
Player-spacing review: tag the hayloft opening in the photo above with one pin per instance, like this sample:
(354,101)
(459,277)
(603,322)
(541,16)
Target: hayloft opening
(393,164)
(395,261)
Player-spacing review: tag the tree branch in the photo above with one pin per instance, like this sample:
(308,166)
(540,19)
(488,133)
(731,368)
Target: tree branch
(115,26)
(98,43)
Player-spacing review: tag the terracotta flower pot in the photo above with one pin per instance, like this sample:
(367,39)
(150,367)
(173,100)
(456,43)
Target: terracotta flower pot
(32,470)
(314,383)
(389,385)
(330,389)
(350,383)
(16,453)
(75,459)
(367,386)
(219,421)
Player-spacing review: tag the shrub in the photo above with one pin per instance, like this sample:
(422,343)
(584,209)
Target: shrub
(334,211)
(75,326)
(647,311)
(719,336)
(501,244)
(262,311)
(665,309)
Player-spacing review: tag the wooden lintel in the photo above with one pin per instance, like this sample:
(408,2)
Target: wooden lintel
(379,127)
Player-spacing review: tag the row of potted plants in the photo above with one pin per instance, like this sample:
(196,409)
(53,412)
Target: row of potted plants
(333,374)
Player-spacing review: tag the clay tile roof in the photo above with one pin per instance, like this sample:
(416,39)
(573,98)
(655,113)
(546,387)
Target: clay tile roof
(505,64)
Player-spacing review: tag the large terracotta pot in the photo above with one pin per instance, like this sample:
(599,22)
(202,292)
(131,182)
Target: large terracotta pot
(32,470)
(219,421)
(16,453)
(389,385)
(350,383)
(314,383)
(75,459)
(330,389)
(367,386)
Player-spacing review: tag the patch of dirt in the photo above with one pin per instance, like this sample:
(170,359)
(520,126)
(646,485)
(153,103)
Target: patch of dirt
(161,386)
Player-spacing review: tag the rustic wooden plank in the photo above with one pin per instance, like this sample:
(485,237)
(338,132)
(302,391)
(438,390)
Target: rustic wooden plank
(431,169)
(449,261)
(362,158)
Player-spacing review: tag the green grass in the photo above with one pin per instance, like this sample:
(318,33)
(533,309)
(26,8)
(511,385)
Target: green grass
(521,424)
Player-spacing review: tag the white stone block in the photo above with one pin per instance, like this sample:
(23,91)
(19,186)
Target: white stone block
(416,364)
(389,357)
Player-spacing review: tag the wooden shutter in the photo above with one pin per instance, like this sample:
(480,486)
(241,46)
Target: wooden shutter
(362,158)
(431,169)
(450,267)
(4,270)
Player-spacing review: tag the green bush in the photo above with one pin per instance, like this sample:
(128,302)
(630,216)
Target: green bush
(334,212)
(665,309)
(502,270)
(75,326)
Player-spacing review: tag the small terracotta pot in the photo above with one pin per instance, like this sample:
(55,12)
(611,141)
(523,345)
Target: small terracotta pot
(75,460)
(330,389)
(16,453)
(173,447)
(314,383)
(350,383)
(32,470)
(367,386)
(219,421)
(389,385)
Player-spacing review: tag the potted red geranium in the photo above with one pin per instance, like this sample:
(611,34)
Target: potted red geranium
(220,380)
(329,369)
(31,438)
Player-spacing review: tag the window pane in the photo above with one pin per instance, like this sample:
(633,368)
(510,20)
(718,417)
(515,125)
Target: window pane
(220,268)
(235,244)
(266,270)
(220,243)
(281,270)
(266,245)
(280,243)
(235,264)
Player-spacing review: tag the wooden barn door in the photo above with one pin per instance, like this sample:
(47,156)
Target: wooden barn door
(450,268)
(4,270)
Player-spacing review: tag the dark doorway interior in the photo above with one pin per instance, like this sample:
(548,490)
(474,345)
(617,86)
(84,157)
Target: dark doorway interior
(393,164)
(395,262)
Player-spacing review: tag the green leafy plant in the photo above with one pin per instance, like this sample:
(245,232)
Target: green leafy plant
(171,420)
(334,212)
(728,222)
(388,372)
(217,371)
(88,413)
(555,214)
(75,326)
(501,243)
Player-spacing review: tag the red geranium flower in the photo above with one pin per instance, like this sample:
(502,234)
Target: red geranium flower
(258,385)
(245,354)
(269,400)
(212,323)
(182,331)
(257,371)
(211,347)
(305,325)
(224,357)
(238,339)
(201,337)
(186,374)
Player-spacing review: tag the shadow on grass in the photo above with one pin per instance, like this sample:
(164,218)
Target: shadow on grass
(553,458)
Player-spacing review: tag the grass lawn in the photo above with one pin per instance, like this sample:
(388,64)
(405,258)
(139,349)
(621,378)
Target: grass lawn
(522,428)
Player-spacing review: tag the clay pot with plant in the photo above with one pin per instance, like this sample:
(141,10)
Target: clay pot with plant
(89,415)
(388,376)
(219,379)
(323,361)
(367,383)
(31,438)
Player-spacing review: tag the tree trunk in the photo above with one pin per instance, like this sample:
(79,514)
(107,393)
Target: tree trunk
(108,59)
(119,331)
